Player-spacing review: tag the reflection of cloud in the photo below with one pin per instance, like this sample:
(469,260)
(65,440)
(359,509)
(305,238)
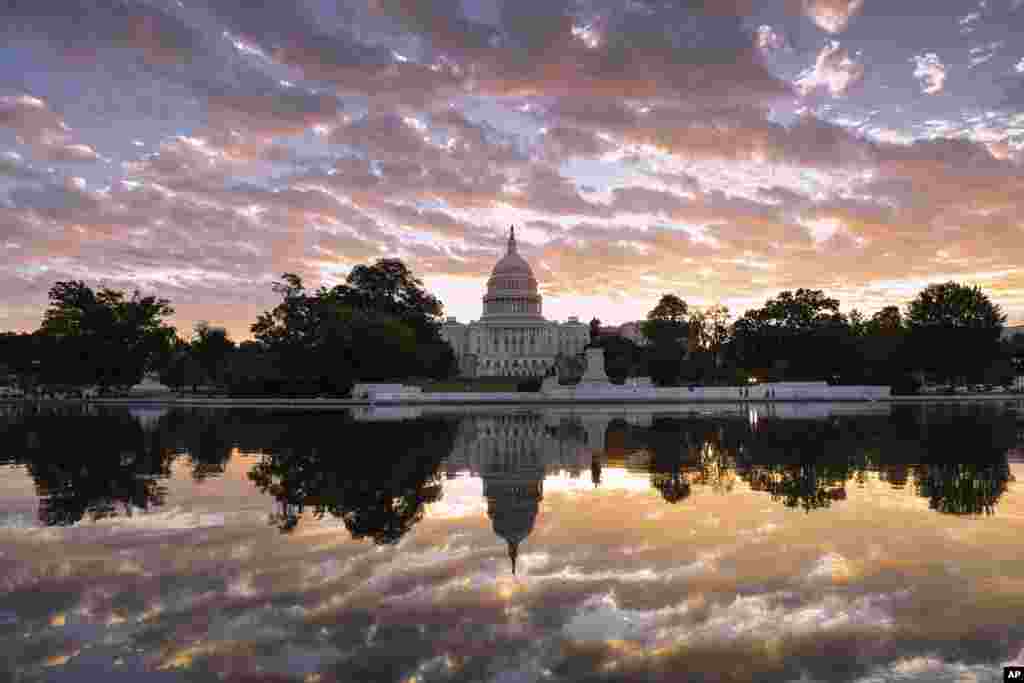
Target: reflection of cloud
(833,567)
(831,15)
(833,70)
(768,39)
(983,53)
(931,72)
(605,587)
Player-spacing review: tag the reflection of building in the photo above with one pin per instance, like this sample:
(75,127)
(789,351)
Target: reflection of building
(148,417)
(487,443)
(513,500)
(512,337)
(513,454)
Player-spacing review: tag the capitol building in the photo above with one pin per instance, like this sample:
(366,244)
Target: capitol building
(512,337)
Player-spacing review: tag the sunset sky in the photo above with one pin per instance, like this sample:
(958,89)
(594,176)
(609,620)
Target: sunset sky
(723,150)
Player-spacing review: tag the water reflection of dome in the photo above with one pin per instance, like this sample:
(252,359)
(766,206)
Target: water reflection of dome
(148,417)
(512,454)
(513,501)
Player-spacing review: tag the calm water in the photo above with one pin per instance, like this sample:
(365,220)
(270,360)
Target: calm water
(786,543)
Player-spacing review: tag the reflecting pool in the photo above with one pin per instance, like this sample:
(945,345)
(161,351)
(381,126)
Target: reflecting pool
(787,542)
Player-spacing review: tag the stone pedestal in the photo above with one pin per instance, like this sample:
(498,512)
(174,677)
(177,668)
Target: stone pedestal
(595,373)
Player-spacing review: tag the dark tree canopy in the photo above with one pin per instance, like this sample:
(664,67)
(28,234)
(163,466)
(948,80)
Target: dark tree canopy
(951,304)
(802,311)
(669,307)
(388,286)
(380,325)
(799,335)
(886,321)
(211,347)
(948,316)
(103,337)
(667,328)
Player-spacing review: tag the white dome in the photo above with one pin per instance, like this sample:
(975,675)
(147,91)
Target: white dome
(512,288)
(512,264)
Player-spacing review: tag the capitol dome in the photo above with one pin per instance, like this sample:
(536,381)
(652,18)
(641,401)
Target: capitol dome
(512,288)
(512,338)
(512,263)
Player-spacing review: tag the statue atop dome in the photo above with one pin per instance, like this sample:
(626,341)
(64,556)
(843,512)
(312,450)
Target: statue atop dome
(512,240)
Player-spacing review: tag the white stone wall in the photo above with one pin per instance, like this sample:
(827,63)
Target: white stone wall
(515,349)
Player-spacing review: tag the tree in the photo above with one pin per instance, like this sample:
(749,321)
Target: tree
(887,321)
(858,325)
(667,320)
(380,325)
(211,347)
(18,356)
(595,330)
(798,335)
(803,311)
(102,337)
(667,327)
(951,304)
(180,368)
(710,332)
(311,335)
(713,327)
(950,316)
(389,288)
(882,351)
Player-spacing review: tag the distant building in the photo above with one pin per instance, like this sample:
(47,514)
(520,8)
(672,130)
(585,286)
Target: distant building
(512,337)
(630,331)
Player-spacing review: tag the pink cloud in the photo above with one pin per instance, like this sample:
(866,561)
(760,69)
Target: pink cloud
(834,70)
(832,16)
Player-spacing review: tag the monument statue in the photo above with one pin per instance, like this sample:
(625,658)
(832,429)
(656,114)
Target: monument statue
(595,372)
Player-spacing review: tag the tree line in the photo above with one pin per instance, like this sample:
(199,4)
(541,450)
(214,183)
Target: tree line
(313,464)
(380,325)
(948,333)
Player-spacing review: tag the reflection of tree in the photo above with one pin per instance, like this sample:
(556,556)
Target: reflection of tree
(896,474)
(674,446)
(209,447)
(809,486)
(963,489)
(684,452)
(375,476)
(674,486)
(964,448)
(97,465)
(807,463)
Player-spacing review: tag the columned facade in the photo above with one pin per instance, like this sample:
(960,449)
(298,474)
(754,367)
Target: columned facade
(512,337)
